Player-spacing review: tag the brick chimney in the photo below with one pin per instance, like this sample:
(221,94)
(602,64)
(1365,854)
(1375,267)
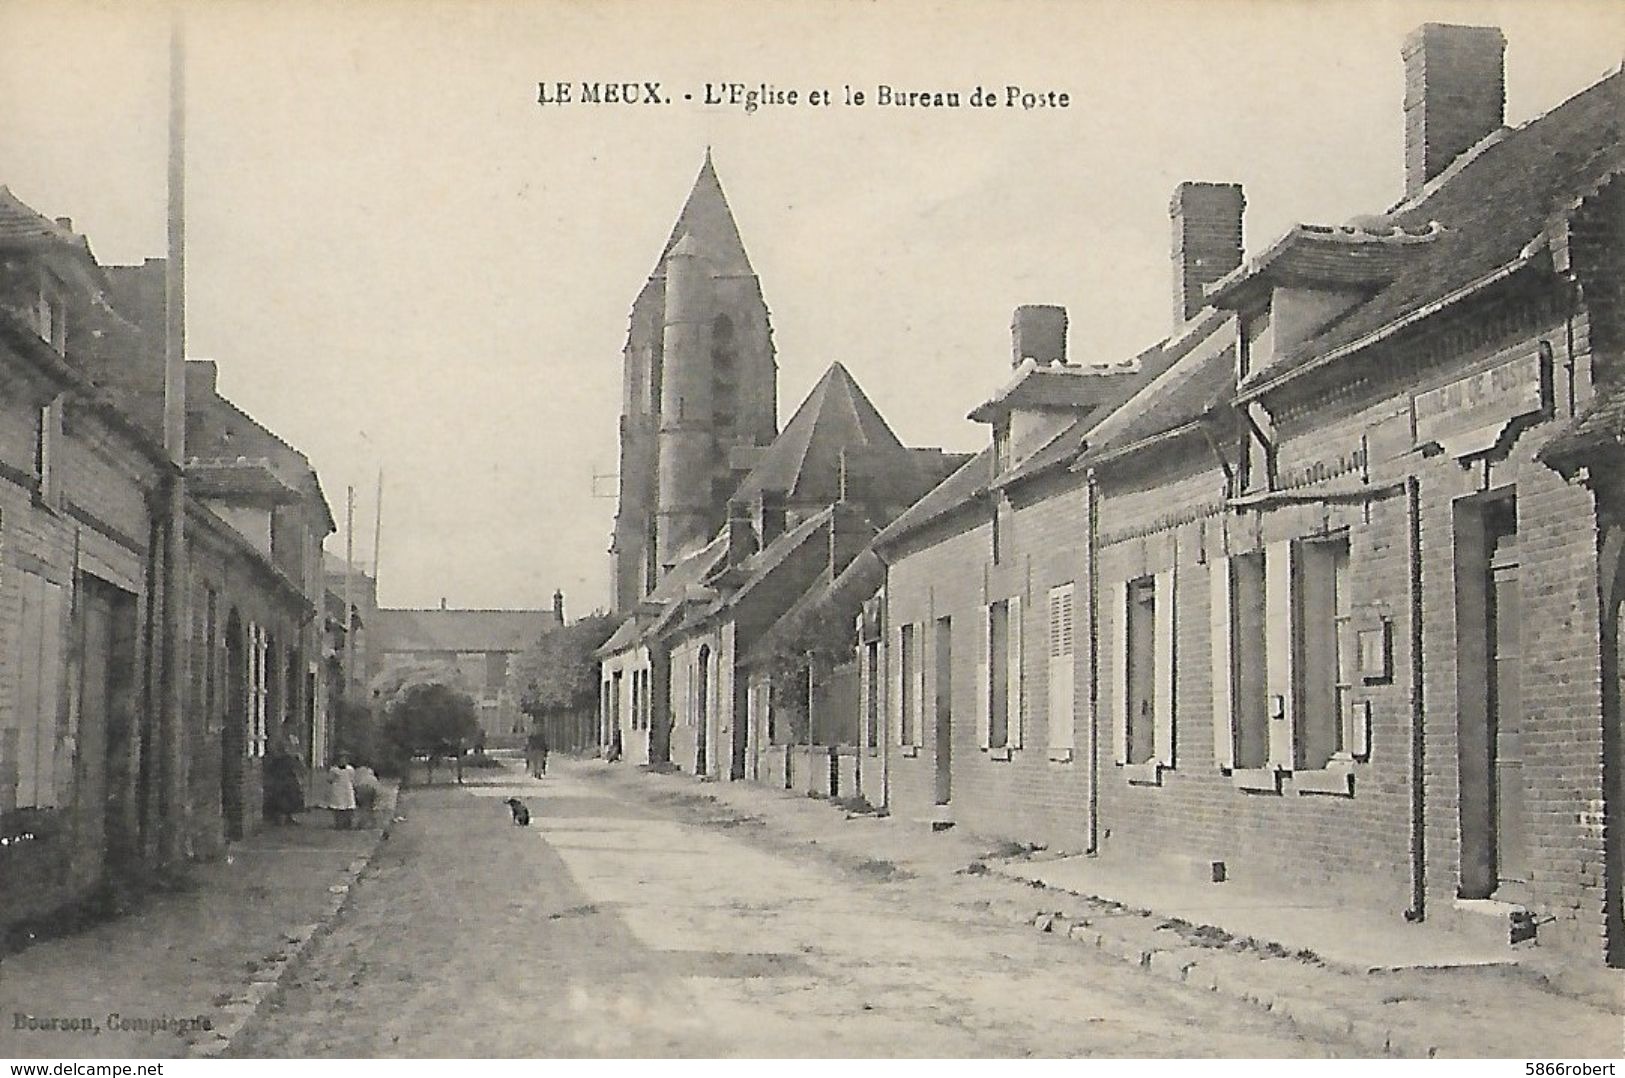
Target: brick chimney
(741,533)
(558,606)
(1206,221)
(1455,95)
(1038,331)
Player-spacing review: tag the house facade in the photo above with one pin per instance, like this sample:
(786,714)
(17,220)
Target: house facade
(1340,595)
(99,781)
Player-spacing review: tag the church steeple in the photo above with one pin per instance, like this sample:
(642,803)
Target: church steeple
(700,384)
(707,216)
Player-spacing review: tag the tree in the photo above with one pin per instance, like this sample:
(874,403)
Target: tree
(433,719)
(558,672)
(390,687)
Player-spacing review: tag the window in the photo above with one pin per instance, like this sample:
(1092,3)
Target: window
(999,691)
(47,450)
(1142,644)
(496,670)
(1240,676)
(1062,698)
(211,633)
(908,692)
(258,661)
(1325,659)
(871,697)
(49,318)
(1143,674)
(30,744)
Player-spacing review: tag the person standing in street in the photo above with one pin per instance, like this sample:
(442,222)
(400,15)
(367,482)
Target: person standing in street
(341,778)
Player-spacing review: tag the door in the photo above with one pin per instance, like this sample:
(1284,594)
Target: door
(702,710)
(944,680)
(1508,792)
(234,732)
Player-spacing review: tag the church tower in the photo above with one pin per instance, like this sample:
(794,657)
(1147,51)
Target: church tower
(700,392)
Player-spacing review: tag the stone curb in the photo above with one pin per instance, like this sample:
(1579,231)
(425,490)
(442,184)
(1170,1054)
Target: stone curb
(266,985)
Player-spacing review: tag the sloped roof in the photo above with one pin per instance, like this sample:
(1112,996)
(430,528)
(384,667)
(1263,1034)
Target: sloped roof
(760,565)
(847,592)
(1053,387)
(804,461)
(707,217)
(688,571)
(970,482)
(1491,204)
(459,630)
(21,224)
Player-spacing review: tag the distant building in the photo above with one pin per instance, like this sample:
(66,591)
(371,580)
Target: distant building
(480,646)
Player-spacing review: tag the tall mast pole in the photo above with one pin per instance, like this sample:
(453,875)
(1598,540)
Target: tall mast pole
(349,589)
(173,802)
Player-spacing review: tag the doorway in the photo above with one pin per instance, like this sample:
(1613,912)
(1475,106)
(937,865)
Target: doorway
(702,710)
(1490,704)
(943,676)
(108,693)
(233,735)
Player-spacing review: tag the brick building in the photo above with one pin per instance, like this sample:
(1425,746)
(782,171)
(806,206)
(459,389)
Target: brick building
(470,650)
(744,519)
(1344,606)
(98,783)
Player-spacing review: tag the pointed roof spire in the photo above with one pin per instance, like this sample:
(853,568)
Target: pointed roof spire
(837,444)
(707,217)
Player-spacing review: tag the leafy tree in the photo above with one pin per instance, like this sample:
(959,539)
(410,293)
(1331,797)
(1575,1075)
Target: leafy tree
(434,719)
(391,687)
(558,672)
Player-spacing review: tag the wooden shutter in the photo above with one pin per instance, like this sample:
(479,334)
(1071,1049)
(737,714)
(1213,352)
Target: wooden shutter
(1164,692)
(1061,690)
(984,681)
(1119,670)
(919,709)
(894,685)
(1219,632)
(1280,660)
(1013,669)
(52,682)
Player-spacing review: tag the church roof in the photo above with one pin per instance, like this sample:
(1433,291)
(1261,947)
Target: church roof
(804,461)
(707,218)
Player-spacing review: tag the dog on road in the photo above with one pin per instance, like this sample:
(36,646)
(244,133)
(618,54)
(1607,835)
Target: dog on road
(521,814)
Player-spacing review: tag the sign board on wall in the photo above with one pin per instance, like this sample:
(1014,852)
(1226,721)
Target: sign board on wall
(1469,415)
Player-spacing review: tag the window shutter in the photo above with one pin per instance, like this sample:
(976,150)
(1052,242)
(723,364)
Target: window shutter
(984,681)
(918,709)
(1061,700)
(53,607)
(27,700)
(894,685)
(1166,685)
(1280,616)
(1014,696)
(1224,710)
(1119,670)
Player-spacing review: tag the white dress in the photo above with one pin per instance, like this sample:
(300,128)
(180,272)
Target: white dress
(341,792)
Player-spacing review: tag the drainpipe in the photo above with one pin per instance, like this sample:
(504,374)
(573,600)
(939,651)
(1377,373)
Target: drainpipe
(1418,907)
(1093,605)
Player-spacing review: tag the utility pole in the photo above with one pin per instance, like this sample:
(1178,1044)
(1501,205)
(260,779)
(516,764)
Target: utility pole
(172,675)
(349,590)
(377,528)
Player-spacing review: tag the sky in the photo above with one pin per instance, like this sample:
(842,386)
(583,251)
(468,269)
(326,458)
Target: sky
(403,263)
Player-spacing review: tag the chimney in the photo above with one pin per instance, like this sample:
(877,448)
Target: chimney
(772,516)
(1038,331)
(202,378)
(1207,240)
(741,533)
(442,602)
(65,223)
(1455,95)
(558,606)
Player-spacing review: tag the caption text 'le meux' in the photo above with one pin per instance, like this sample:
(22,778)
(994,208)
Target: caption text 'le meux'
(750,97)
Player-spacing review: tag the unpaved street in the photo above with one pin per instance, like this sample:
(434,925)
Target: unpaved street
(615,927)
